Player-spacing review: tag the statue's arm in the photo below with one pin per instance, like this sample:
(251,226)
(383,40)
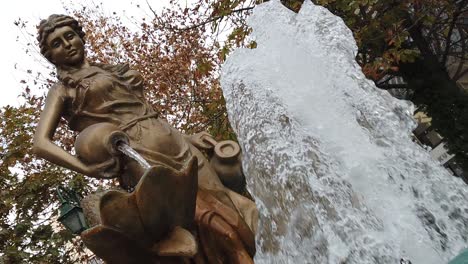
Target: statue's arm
(43,146)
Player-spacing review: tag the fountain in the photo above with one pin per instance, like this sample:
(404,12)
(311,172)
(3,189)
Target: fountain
(328,156)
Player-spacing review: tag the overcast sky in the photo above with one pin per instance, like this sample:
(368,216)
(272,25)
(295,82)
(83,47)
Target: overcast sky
(12,51)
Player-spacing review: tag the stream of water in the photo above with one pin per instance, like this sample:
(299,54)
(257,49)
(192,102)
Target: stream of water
(130,152)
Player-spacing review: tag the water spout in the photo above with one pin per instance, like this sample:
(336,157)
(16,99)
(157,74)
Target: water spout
(130,152)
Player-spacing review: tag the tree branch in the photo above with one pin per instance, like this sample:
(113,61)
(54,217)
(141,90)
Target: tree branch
(448,45)
(438,19)
(458,74)
(462,73)
(431,61)
(218,17)
(151,9)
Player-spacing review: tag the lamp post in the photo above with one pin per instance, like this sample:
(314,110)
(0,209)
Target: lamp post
(71,214)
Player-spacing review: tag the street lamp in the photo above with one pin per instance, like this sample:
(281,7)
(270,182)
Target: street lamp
(71,214)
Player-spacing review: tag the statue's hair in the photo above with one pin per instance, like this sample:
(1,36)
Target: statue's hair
(48,25)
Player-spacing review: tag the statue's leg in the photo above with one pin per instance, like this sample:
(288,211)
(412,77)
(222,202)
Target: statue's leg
(223,234)
(221,243)
(246,207)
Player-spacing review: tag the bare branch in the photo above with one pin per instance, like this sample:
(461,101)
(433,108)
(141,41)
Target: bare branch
(459,73)
(438,19)
(448,45)
(151,9)
(462,74)
(218,17)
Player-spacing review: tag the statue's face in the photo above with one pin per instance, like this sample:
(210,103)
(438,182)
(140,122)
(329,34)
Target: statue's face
(65,46)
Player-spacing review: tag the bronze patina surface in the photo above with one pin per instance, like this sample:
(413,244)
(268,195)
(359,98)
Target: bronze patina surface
(179,211)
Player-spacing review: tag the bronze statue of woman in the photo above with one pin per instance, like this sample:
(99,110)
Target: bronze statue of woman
(179,211)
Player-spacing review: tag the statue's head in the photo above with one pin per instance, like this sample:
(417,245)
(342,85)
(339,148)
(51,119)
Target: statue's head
(61,40)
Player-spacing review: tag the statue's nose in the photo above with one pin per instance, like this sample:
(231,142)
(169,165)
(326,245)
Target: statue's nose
(66,43)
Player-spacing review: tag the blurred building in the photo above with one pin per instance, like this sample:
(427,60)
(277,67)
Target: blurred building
(94,260)
(427,136)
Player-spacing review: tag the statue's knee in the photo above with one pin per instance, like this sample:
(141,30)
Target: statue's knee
(230,235)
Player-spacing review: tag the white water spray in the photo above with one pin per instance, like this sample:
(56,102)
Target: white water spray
(328,156)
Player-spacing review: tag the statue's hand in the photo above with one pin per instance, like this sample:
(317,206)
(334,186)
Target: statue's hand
(202,141)
(105,170)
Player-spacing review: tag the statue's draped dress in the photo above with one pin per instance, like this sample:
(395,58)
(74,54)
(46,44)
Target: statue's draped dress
(224,220)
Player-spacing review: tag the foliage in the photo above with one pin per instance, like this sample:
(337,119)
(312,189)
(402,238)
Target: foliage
(25,212)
